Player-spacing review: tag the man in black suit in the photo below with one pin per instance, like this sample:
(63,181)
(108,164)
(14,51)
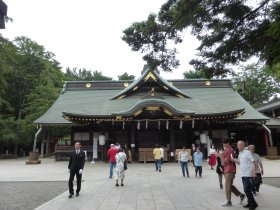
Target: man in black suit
(75,167)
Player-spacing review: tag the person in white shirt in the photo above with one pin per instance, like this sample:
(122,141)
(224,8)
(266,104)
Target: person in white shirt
(161,154)
(259,169)
(247,171)
(183,158)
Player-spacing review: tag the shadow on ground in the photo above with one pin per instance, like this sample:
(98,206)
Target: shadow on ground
(29,195)
(272,181)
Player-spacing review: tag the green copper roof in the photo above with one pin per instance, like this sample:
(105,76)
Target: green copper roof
(203,100)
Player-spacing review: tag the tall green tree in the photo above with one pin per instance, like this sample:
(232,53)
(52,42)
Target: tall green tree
(84,75)
(230,32)
(256,85)
(191,74)
(34,76)
(126,76)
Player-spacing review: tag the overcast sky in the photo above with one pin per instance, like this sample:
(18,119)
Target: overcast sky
(87,33)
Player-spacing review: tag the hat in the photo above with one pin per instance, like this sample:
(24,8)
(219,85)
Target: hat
(112,145)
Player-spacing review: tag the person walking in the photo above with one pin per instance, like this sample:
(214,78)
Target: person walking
(119,171)
(157,158)
(112,159)
(220,167)
(229,174)
(183,158)
(198,158)
(259,170)
(248,173)
(161,154)
(212,158)
(193,150)
(75,168)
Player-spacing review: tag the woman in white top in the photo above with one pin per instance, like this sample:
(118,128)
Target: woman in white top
(119,169)
(183,158)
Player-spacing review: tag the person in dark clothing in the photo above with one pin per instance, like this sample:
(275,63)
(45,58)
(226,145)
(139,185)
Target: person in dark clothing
(220,168)
(193,150)
(75,167)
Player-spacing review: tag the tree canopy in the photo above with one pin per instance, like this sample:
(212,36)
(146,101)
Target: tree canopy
(126,76)
(84,75)
(255,84)
(230,32)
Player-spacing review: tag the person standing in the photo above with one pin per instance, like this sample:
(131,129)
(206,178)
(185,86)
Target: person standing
(248,172)
(198,158)
(157,158)
(112,159)
(127,151)
(212,158)
(259,169)
(229,174)
(161,154)
(220,168)
(183,158)
(193,150)
(75,168)
(119,171)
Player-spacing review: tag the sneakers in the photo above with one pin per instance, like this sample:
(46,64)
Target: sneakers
(242,197)
(227,204)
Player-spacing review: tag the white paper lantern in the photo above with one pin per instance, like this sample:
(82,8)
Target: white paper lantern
(102,140)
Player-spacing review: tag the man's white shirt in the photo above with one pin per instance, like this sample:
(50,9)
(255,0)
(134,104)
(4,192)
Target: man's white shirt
(246,163)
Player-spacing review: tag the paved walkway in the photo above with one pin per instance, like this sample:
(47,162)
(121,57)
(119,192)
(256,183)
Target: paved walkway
(144,187)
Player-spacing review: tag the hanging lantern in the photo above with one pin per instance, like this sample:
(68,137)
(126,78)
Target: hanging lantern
(102,140)
(159,125)
(167,125)
(146,124)
(181,124)
(192,123)
(138,125)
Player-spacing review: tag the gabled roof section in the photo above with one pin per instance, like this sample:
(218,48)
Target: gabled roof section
(153,103)
(155,77)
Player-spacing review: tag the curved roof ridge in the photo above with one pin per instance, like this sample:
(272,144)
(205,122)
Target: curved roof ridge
(153,102)
(146,75)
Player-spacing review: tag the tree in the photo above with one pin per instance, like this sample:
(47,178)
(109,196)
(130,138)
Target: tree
(84,75)
(33,82)
(230,32)
(256,85)
(194,74)
(126,76)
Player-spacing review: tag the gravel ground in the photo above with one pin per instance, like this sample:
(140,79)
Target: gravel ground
(272,181)
(29,195)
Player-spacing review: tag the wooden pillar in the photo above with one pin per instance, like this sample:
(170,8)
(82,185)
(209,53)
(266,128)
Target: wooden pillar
(132,142)
(47,143)
(266,141)
(172,141)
